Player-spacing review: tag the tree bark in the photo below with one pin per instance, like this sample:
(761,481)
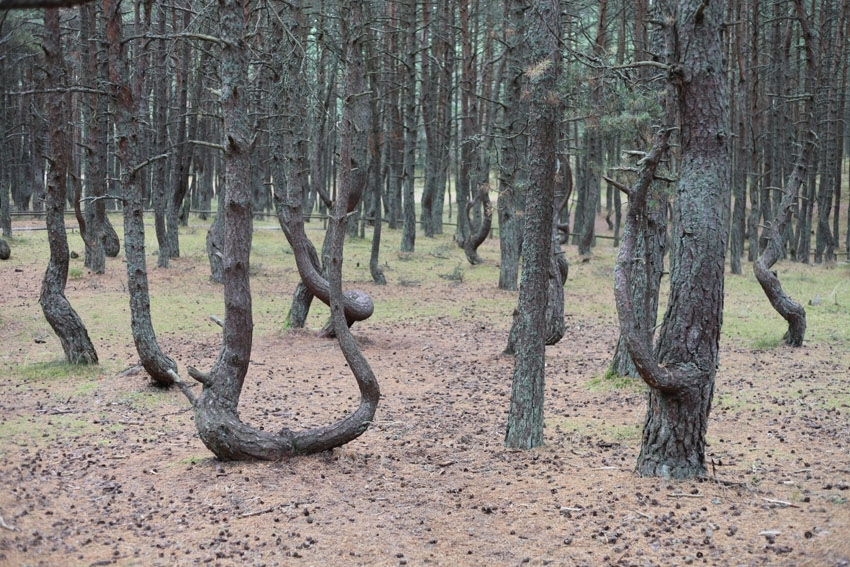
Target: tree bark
(408,19)
(525,416)
(63,319)
(512,179)
(216,414)
(127,111)
(790,310)
(681,372)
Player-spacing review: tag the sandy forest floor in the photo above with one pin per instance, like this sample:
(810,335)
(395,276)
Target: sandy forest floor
(98,467)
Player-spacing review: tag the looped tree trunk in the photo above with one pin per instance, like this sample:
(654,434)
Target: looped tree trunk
(216,409)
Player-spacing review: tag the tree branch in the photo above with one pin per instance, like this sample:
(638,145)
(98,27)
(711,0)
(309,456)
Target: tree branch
(638,340)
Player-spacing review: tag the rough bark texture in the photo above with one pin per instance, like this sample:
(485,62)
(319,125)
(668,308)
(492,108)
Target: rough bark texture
(216,414)
(57,309)
(127,101)
(512,181)
(681,372)
(525,416)
(651,247)
(5,250)
(408,18)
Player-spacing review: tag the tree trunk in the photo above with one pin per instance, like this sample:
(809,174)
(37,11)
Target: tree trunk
(408,18)
(791,311)
(681,371)
(645,285)
(216,410)
(128,107)
(525,416)
(57,309)
(512,180)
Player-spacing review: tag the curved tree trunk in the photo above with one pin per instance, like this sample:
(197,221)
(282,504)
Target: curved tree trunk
(652,247)
(681,371)
(216,410)
(791,311)
(479,235)
(159,366)
(56,308)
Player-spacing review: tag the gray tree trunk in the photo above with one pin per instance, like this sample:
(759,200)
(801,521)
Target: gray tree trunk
(408,19)
(525,416)
(681,372)
(61,316)
(512,179)
(216,410)
(128,107)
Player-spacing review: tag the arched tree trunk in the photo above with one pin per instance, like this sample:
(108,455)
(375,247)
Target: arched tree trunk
(56,308)
(216,410)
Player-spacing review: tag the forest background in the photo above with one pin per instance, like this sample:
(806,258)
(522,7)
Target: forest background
(458,143)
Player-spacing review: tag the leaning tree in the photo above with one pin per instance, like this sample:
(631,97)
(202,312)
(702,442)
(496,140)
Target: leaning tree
(792,311)
(680,371)
(64,320)
(216,408)
(129,110)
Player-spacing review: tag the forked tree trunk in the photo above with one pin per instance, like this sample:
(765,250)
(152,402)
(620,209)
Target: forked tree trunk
(681,371)
(56,308)
(216,410)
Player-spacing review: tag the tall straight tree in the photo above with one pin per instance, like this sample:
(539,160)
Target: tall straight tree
(512,133)
(57,309)
(408,102)
(542,69)
(681,371)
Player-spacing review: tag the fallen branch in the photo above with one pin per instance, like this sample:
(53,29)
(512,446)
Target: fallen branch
(780,502)
(257,512)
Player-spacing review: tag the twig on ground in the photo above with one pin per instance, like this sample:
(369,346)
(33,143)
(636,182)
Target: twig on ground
(779,502)
(257,512)
(4,525)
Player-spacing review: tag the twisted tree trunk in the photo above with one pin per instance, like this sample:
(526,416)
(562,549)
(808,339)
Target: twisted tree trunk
(216,409)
